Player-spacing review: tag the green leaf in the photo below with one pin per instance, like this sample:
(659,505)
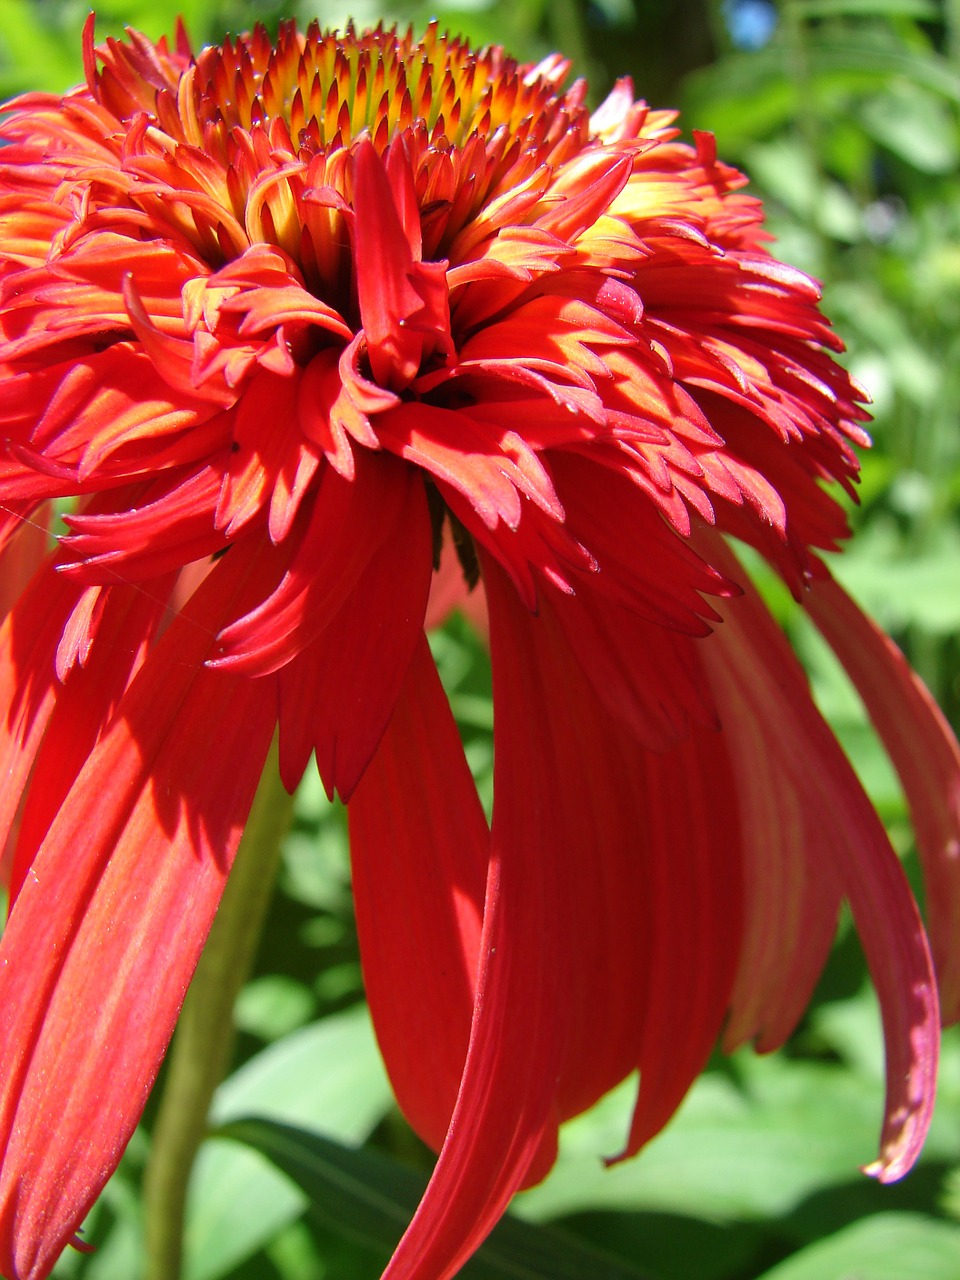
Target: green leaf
(922,591)
(370,1197)
(874,52)
(328,1076)
(273,1006)
(884,1246)
(35,54)
(913,124)
(749,96)
(925,10)
(783,169)
(751,1148)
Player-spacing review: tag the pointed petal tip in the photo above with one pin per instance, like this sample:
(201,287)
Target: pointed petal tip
(898,1156)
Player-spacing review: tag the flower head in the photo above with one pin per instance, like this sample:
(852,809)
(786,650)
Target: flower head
(290,325)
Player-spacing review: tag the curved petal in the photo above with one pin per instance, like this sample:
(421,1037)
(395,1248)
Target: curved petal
(925,754)
(170,525)
(401,298)
(608,889)
(353,522)
(29,636)
(792,902)
(100,946)
(419,845)
(338,696)
(257,476)
(695,885)
(755,674)
(84,705)
(505,1118)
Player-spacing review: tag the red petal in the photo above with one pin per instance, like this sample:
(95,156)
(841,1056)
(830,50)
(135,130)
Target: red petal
(84,706)
(755,673)
(260,455)
(925,754)
(29,638)
(169,525)
(98,951)
(24,546)
(656,698)
(596,933)
(694,883)
(353,523)
(338,698)
(470,458)
(419,844)
(391,287)
(613,517)
(792,900)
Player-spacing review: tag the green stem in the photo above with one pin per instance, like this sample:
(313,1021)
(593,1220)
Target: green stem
(200,1053)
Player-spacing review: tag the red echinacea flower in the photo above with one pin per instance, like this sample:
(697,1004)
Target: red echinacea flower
(287,323)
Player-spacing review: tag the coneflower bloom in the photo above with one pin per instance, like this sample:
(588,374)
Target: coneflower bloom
(287,323)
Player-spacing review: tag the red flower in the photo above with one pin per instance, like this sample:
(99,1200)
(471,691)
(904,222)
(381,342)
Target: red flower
(281,322)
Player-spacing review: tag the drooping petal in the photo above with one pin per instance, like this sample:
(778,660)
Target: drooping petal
(925,754)
(755,673)
(29,637)
(590,894)
(83,707)
(505,1118)
(419,845)
(695,885)
(792,901)
(338,698)
(350,522)
(24,552)
(656,701)
(107,929)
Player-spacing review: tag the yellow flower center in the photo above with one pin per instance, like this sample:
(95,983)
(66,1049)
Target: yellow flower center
(250,144)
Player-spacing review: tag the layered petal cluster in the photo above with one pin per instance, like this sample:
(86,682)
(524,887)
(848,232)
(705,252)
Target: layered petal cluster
(282,328)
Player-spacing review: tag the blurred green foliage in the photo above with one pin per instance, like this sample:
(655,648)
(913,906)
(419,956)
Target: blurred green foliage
(845,114)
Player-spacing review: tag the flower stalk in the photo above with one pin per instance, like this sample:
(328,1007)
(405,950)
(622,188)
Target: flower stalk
(200,1053)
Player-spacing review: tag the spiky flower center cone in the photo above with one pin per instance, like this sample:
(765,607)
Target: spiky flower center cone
(478,124)
(403,245)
